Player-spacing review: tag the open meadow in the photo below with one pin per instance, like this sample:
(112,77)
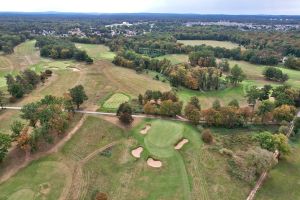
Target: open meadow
(213,43)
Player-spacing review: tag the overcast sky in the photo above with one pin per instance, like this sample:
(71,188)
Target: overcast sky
(286,7)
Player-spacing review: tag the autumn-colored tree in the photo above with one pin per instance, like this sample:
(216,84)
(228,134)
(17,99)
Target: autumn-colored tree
(284,113)
(265,108)
(192,113)
(24,139)
(150,108)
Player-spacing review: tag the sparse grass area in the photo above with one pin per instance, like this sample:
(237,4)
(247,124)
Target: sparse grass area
(97,51)
(213,43)
(283,180)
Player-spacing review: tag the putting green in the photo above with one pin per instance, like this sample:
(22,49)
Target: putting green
(115,100)
(162,137)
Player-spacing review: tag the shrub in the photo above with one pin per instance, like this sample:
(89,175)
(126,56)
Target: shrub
(227,152)
(207,136)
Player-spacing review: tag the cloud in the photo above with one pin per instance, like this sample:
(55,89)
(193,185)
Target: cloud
(287,7)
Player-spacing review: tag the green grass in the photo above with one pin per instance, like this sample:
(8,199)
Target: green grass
(29,183)
(97,51)
(162,137)
(255,73)
(115,100)
(213,43)
(283,181)
(207,98)
(175,58)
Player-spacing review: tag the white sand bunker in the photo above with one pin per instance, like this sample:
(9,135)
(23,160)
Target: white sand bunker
(137,152)
(145,130)
(181,143)
(75,69)
(154,163)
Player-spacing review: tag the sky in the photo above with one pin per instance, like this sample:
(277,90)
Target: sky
(274,7)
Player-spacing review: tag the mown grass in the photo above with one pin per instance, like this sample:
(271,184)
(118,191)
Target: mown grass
(213,43)
(97,51)
(43,179)
(114,101)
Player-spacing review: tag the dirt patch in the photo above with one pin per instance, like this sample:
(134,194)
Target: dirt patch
(145,130)
(154,163)
(180,144)
(137,152)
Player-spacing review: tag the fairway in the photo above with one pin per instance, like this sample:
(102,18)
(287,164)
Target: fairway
(213,43)
(97,51)
(115,100)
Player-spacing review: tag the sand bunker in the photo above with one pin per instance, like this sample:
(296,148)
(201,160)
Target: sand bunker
(137,152)
(181,143)
(75,69)
(154,163)
(146,129)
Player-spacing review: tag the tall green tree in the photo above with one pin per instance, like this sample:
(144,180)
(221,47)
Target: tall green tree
(236,75)
(5,143)
(78,95)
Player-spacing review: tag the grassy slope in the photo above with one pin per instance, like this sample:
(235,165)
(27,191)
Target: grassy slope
(115,100)
(213,43)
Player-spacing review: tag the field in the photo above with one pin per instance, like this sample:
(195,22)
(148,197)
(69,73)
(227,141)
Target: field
(213,43)
(98,52)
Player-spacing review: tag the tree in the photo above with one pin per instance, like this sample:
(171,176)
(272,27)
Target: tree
(236,75)
(224,65)
(78,95)
(16,127)
(3,100)
(297,124)
(207,136)
(234,103)
(195,102)
(124,113)
(192,113)
(265,108)
(216,104)
(16,90)
(273,142)
(30,112)
(284,113)
(5,143)
(264,93)
(252,95)
(275,74)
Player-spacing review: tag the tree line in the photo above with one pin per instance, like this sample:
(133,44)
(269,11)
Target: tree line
(60,48)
